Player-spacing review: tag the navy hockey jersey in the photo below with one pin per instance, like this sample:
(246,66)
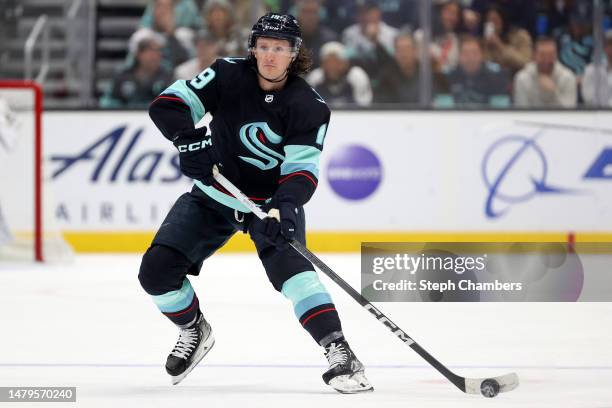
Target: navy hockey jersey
(274,138)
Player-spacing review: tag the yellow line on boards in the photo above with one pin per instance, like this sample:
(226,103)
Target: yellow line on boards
(139,241)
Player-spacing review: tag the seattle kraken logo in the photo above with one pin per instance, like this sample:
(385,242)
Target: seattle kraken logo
(253,136)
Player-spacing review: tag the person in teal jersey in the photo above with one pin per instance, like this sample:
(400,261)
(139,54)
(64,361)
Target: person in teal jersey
(266,136)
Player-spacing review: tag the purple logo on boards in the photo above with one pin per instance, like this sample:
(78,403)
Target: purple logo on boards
(354,172)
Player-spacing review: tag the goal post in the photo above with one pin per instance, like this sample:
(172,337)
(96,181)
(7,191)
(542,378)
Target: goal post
(27,225)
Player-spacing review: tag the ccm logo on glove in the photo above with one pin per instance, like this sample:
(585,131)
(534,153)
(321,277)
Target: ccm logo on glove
(192,147)
(197,155)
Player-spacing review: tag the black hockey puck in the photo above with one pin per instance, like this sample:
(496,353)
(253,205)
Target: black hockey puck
(489,388)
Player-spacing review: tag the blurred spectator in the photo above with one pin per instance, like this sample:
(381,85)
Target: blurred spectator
(362,38)
(505,45)
(173,52)
(314,35)
(401,14)
(177,40)
(187,14)
(207,48)
(597,81)
(555,15)
(576,40)
(474,81)
(545,82)
(244,10)
(397,13)
(445,35)
(164,22)
(339,14)
(337,81)
(219,21)
(399,76)
(139,83)
(519,13)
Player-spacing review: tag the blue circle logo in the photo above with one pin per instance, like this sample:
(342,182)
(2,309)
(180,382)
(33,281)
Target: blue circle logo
(354,172)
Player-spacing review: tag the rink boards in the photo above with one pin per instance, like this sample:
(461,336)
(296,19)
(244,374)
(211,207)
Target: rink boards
(402,176)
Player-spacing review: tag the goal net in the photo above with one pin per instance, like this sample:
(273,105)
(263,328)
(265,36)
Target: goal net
(27,228)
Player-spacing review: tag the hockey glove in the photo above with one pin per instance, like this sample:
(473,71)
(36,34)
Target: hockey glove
(280,224)
(197,154)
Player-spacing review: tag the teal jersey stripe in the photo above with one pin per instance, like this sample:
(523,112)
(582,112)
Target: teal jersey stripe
(289,168)
(222,198)
(175,300)
(321,134)
(311,302)
(300,155)
(301,286)
(180,89)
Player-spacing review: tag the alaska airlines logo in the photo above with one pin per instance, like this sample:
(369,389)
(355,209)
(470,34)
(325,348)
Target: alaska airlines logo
(522,176)
(115,157)
(253,136)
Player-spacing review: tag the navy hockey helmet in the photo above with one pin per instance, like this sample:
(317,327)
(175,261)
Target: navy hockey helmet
(281,26)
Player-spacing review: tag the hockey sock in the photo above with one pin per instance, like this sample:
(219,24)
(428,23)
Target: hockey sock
(180,306)
(313,307)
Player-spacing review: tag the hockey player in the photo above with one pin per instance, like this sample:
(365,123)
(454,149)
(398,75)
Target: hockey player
(267,132)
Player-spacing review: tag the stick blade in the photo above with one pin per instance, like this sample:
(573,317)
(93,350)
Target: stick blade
(506,383)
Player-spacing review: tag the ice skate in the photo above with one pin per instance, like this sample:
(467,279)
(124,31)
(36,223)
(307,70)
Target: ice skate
(345,373)
(193,344)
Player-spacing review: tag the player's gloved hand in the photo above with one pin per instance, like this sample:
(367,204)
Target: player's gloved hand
(197,155)
(280,225)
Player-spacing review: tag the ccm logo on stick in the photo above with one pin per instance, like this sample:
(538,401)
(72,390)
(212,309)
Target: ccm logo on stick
(383,319)
(192,147)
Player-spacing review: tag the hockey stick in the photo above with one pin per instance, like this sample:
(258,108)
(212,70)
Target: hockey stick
(489,387)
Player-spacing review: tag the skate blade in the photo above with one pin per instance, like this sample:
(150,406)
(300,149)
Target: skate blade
(351,384)
(200,353)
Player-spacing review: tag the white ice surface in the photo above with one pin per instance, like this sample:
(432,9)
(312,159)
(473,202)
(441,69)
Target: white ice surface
(90,325)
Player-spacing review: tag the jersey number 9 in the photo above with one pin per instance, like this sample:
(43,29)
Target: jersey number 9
(203,78)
